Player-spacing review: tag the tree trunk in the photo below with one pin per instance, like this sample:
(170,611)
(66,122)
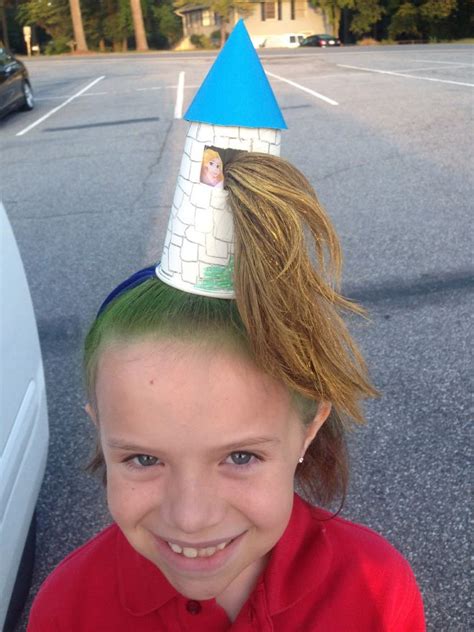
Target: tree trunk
(223,31)
(4,25)
(335,20)
(138,25)
(81,44)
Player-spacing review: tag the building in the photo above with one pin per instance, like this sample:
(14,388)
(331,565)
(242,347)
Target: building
(266,22)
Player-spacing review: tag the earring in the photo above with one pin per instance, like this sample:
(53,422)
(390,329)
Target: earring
(301,459)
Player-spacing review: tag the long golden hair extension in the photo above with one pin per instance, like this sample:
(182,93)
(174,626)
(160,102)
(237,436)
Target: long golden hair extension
(290,306)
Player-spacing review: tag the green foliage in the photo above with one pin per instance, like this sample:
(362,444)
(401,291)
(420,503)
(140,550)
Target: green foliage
(405,22)
(58,46)
(332,10)
(422,19)
(53,17)
(169,24)
(215,38)
(367,13)
(108,24)
(200,41)
(118,24)
(434,10)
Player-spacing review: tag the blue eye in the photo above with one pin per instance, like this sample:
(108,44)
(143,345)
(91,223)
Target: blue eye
(143,460)
(241,458)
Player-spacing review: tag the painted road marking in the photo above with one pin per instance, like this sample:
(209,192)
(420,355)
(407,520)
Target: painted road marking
(116,92)
(401,74)
(59,107)
(425,68)
(303,88)
(178,108)
(432,61)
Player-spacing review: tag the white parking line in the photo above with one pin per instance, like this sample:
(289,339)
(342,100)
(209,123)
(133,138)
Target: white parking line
(178,108)
(54,110)
(404,70)
(189,86)
(401,74)
(432,61)
(303,88)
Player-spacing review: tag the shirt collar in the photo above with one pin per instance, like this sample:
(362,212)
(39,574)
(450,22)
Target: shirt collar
(286,579)
(142,586)
(290,574)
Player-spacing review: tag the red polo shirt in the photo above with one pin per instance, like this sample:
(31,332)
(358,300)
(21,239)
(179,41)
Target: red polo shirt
(323,576)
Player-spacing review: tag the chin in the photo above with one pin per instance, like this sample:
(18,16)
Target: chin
(198,590)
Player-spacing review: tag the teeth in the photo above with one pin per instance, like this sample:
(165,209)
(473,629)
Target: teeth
(190,552)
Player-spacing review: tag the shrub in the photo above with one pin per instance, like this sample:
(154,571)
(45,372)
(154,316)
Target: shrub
(200,41)
(367,41)
(58,46)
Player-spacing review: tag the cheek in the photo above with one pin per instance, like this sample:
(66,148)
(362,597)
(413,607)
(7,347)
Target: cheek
(127,500)
(267,500)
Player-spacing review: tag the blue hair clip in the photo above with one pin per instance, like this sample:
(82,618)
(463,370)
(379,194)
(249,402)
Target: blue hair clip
(136,279)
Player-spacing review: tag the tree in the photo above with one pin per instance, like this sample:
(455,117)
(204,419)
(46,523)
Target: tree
(367,13)
(53,17)
(424,18)
(115,24)
(404,22)
(81,44)
(138,25)
(332,10)
(3,26)
(434,15)
(433,10)
(169,24)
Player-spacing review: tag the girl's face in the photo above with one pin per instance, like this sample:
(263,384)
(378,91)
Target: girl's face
(212,171)
(201,449)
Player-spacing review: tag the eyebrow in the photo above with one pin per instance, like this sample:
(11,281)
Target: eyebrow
(246,442)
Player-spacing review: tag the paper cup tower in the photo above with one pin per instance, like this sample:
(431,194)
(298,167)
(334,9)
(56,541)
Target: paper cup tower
(235,109)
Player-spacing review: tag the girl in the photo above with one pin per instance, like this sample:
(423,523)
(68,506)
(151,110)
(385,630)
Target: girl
(211,170)
(207,410)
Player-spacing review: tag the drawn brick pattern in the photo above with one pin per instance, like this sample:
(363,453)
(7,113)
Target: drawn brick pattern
(199,244)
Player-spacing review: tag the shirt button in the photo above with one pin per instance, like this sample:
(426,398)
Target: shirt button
(193,607)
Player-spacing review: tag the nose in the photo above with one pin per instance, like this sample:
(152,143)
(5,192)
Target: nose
(192,504)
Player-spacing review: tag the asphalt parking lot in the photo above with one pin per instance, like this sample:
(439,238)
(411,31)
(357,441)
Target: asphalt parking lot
(385,136)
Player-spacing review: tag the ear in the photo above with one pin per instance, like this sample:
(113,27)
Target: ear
(92,414)
(312,429)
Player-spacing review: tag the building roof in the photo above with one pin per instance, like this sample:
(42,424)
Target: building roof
(236,91)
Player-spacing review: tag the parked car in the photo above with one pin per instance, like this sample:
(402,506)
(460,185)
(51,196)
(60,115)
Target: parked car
(15,87)
(284,40)
(321,40)
(23,428)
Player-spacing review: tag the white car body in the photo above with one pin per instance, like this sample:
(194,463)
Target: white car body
(284,40)
(23,412)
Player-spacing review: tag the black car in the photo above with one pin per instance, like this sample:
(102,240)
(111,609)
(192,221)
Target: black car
(321,40)
(15,87)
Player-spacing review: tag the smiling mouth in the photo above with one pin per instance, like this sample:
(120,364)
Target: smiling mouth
(191,552)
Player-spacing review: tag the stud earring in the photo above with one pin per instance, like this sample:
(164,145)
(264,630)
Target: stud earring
(301,459)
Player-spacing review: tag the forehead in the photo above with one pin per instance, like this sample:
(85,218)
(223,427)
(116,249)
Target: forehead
(182,383)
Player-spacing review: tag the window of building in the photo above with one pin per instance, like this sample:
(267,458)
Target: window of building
(206,18)
(267,10)
(297,9)
(196,18)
